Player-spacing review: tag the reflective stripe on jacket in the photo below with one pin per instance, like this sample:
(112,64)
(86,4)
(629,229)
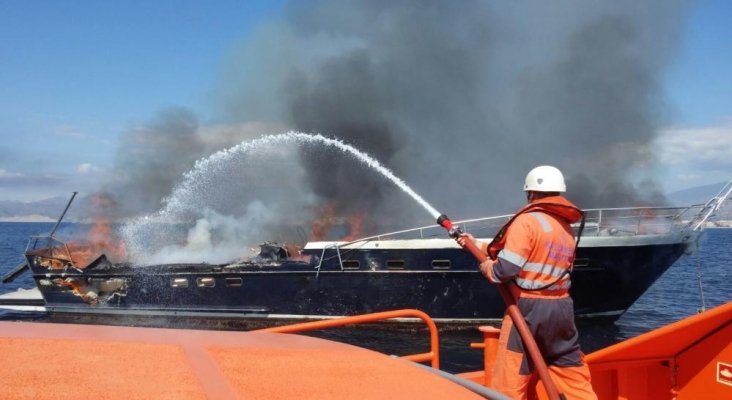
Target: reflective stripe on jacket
(536,248)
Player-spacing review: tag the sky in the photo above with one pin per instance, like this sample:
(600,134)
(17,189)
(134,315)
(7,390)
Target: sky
(75,76)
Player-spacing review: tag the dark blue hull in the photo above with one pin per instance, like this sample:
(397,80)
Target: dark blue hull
(443,282)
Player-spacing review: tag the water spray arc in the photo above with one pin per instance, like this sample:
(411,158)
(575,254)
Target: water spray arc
(300,138)
(185,197)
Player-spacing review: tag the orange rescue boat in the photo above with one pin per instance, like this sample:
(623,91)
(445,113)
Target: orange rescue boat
(690,359)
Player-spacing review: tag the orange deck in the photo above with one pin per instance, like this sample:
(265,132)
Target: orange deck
(683,360)
(690,359)
(59,361)
(687,360)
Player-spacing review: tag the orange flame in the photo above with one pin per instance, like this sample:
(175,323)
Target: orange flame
(322,224)
(99,241)
(328,218)
(355,223)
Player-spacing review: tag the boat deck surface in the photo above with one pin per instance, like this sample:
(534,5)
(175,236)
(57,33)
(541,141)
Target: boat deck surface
(65,361)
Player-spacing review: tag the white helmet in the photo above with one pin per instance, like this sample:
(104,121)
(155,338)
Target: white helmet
(545,179)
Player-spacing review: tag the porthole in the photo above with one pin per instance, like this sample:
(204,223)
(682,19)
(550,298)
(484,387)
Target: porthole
(395,264)
(351,264)
(441,264)
(205,282)
(581,262)
(234,282)
(179,282)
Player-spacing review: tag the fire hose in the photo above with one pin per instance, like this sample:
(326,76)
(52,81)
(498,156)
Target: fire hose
(512,310)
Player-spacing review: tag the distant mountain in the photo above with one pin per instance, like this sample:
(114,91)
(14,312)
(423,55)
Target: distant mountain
(38,210)
(695,195)
(42,207)
(700,195)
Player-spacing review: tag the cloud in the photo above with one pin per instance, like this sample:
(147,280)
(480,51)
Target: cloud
(695,156)
(8,175)
(88,168)
(16,179)
(70,131)
(29,187)
(86,132)
(706,147)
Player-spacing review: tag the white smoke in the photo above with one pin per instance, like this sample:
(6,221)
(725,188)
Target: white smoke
(242,178)
(234,199)
(217,238)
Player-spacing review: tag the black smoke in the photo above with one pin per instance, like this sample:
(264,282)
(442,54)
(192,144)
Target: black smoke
(459,99)
(462,99)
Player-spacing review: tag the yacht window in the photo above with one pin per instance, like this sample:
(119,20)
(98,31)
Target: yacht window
(351,264)
(581,262)
(205,282)
(395,264)
(441,264)
(179,282)
(233,282)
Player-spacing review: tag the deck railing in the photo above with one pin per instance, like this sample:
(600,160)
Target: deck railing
(433,356)
(49,247)
(627,221)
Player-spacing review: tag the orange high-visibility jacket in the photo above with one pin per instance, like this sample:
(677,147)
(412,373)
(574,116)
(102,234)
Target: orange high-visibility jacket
(536,248)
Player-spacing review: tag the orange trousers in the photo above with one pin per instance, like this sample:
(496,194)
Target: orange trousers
(572,381)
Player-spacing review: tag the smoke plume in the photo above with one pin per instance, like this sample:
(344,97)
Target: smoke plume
(460,100)
(152,158)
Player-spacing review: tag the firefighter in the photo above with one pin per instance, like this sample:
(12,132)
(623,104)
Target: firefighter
(534,251)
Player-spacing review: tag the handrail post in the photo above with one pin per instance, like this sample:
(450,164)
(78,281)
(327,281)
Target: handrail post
(490,348)
(599,222)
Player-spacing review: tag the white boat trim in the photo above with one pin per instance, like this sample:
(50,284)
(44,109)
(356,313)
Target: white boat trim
(447,243)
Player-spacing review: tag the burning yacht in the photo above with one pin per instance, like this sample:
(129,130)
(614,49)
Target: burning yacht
(622,251)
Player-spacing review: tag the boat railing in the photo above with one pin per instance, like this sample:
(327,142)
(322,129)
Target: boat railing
(711,206)
(624,221)
(433,356)
(337,248)
(48,246)
(634,221)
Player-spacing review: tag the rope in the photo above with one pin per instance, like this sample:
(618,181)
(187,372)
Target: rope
(699,280)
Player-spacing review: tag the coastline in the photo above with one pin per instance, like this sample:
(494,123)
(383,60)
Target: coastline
(27,218)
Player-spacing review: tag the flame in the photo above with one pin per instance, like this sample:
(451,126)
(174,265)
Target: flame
(355,223)
(650,222)
(324,222)
(99,241)
(100,237)
(328,218)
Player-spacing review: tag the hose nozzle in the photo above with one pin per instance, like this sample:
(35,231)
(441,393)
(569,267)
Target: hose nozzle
(453,230)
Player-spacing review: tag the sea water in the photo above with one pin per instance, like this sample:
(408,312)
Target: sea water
(674,296)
